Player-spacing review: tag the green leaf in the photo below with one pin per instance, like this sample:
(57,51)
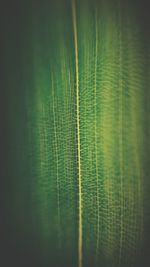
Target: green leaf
(79,166)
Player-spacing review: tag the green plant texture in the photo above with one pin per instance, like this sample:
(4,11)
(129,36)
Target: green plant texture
(79,120)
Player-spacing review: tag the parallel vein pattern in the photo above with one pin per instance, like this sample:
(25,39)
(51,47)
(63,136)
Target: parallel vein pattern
(82,160)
